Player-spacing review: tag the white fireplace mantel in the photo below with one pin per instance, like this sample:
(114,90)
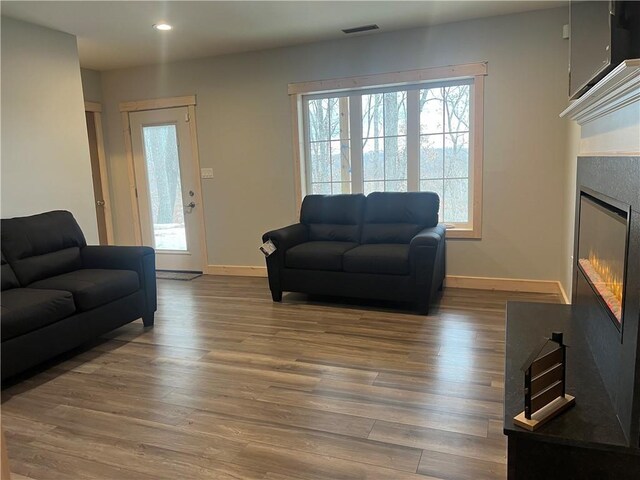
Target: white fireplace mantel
(621,87)
(609,113)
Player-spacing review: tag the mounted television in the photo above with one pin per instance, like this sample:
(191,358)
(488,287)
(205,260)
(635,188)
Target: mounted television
(603,34)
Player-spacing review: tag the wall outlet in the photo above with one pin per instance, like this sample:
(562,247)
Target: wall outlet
(206,173)
(565,31)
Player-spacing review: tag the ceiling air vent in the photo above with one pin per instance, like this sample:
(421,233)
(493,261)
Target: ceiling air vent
(363,28)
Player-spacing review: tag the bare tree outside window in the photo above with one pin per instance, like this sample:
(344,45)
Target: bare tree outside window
(329,146)
(444,134)
(384,141)
(444,148)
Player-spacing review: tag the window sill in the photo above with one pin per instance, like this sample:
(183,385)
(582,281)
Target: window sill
(464,233)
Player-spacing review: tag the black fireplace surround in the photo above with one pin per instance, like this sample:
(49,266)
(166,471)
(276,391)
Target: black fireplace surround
(612,184)
(599,438)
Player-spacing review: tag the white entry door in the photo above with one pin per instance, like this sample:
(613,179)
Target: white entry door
(166,181)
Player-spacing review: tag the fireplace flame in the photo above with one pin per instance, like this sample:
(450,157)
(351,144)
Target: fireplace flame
(606,281)
(609,278)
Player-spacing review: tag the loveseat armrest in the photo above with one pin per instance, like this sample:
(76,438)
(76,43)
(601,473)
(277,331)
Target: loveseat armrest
(141,260)
(430,237)
(287,237)
(283,239)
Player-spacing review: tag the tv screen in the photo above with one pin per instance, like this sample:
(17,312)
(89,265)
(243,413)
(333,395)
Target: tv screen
(602,34)
(590,38)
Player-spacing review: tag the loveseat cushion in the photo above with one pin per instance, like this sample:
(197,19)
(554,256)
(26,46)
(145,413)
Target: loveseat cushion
(27,309)
(396,217)
(318,255)
(41,246)
(93,287)
(9,279)
(333,217)
(392,259)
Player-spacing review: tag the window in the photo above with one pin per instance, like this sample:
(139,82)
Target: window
(409,131)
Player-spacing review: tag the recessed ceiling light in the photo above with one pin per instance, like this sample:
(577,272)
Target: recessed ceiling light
(162,26)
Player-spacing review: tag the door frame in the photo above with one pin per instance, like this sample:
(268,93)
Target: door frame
(188,101)
(96,109)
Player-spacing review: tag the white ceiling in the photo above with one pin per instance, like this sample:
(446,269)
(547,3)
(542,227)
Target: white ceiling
(119,34)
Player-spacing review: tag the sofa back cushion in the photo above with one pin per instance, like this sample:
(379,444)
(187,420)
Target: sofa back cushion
(333,217)
(396,217)
(9,279)
(42,246)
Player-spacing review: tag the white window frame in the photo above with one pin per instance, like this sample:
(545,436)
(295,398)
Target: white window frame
(414,78)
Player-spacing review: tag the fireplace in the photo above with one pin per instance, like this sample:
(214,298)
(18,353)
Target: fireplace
(606,278)
(603,232)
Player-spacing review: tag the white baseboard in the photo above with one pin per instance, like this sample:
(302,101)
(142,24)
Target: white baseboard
(454,281)
(564,295)
(505,284)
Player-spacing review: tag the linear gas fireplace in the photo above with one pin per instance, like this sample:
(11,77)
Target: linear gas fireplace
(603,233)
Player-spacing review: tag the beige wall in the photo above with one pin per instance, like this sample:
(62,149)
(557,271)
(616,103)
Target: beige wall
(45,152)
(571,168)
(91,85)
(244,129)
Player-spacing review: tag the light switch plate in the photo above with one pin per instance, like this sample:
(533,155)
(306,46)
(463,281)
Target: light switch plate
(206,173)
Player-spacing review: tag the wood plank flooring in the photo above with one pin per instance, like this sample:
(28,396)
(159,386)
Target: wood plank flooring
(229,385)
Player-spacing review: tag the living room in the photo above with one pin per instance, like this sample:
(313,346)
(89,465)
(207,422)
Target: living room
(229,383)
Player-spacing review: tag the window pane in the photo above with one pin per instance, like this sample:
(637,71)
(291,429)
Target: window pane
(444,135)
(319,119)
(456,101)
(433,186)
(456,155)
(373,187)
(431,157)
(344,187)
(431,111)
(456,194)
(320,166)
(395,186)
(395,158)
(373,159)
(395,113)
(165,191)
(334,120)
(321,188)
(372,115)
(340,162)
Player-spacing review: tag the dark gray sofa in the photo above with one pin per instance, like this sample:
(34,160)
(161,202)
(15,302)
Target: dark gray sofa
(58,293)
(386,246)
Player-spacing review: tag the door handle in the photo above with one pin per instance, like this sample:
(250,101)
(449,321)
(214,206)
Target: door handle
(100,203)
(190,205)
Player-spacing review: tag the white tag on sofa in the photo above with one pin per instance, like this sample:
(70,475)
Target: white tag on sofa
(267,248)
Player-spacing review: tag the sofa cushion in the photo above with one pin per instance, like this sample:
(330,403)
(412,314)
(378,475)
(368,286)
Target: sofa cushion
(318,255)
(390,259)
(41,246)
(396,217)
(92,288)
(9,279)
(333,217)
(28,309)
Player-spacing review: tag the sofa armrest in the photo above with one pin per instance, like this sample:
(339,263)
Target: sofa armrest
(287,237)
(427,257)
(141,260)
(430,237)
